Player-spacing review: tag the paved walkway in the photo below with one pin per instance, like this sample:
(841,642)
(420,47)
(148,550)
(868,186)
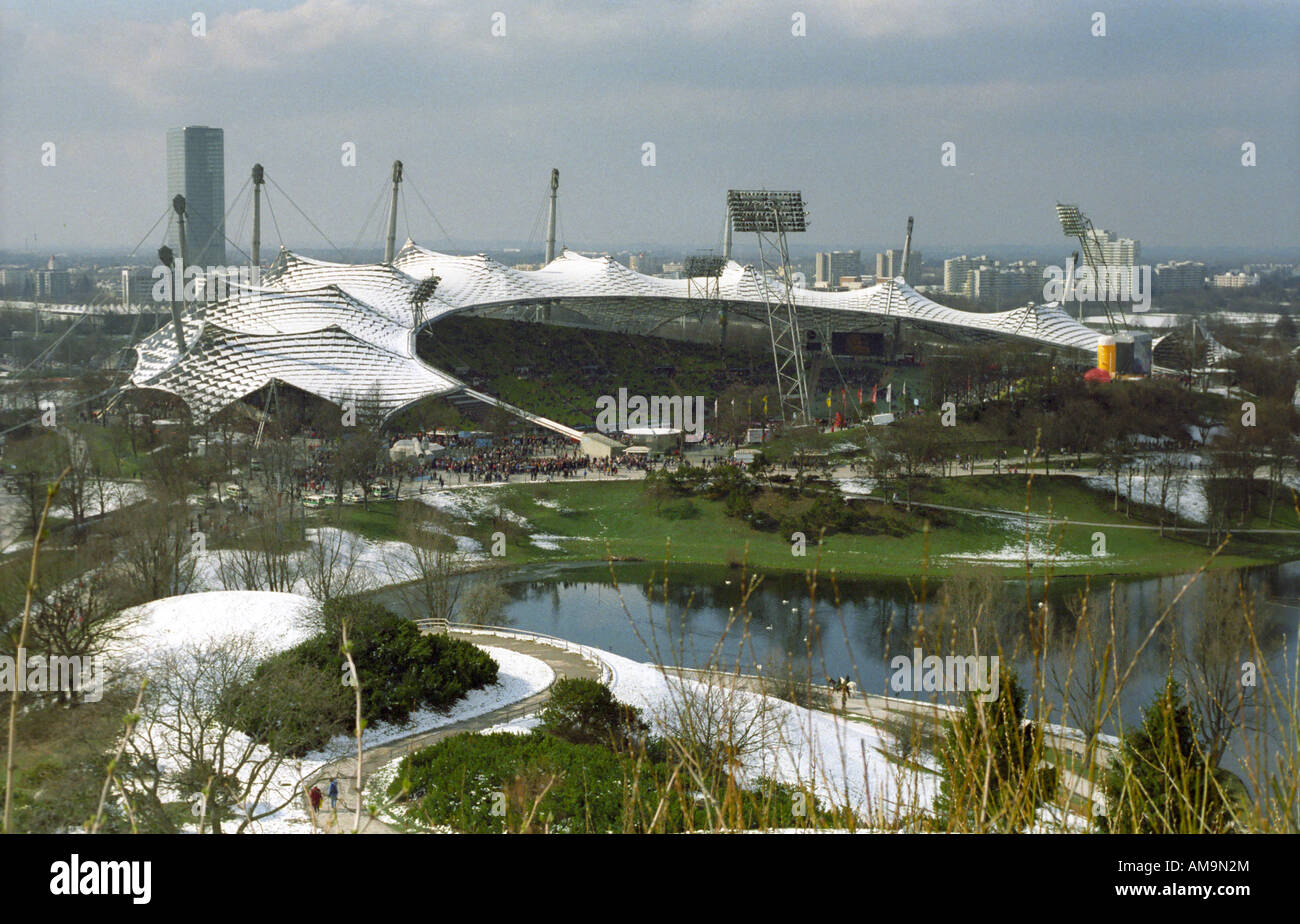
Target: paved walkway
(564,663)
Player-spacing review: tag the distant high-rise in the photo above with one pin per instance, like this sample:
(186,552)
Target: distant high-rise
(1121,254)
(834,265)
(196,169)
(889,265)
(957,274)
(1179,276)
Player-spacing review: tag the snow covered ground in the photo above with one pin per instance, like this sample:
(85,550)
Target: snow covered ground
(857,485)
(115,495)
(470,503)
(1037,552)
(1008,531)
(273,622)
(843,761)
(373,563)
(1188,503)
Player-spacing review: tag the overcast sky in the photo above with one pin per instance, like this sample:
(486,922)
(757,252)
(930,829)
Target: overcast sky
(1143,127)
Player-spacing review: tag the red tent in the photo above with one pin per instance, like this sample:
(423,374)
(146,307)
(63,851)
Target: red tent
(1096,375)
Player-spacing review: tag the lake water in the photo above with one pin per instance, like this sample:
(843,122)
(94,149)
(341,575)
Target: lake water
(853,628)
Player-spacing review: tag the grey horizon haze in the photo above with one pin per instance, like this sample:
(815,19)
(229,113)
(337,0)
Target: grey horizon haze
(1143,126)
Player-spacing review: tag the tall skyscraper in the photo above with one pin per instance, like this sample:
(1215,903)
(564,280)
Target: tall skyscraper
(196,169)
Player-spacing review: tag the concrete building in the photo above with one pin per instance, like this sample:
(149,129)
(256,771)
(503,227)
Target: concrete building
(644,263)
(889,265)
(1002,285)
(834,264)
(196,169)
(1179,276)
(1235,280)
(957,273)
(1119,253)
(137,286)
(16,282)
(993,282)
(51,284)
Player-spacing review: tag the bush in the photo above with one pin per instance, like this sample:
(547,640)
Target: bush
(537,782)
(680,510)
(399,671)
(1161,783)
(583,711)
(992,780)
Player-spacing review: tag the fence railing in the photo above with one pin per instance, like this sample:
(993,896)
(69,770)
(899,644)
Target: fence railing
(608,675)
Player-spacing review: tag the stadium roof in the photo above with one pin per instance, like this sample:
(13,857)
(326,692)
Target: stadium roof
(347,331)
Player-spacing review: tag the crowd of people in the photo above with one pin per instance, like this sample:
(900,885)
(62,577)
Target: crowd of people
(442,458)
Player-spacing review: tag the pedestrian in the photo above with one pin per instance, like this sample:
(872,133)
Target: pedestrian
(315,796)
(334,794)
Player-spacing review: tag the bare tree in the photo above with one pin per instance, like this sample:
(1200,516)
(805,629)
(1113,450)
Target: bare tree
(155,550)
(431,572)
(80,617)
(265,557)
(1210,659)
(713,727)
(330,566)
(1087,651)
(186,722)
(1170,467)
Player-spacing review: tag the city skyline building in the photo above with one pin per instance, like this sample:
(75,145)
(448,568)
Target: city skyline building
(889,265)
(1179,276)
(196,170)
(832,266)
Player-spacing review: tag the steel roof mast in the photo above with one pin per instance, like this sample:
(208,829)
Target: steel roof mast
(390,244)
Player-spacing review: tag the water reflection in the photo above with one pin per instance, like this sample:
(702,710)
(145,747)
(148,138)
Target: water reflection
(1087,632)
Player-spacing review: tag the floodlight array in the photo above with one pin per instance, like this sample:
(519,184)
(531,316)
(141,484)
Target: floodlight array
(766,210)
(703,265)
(1072,220)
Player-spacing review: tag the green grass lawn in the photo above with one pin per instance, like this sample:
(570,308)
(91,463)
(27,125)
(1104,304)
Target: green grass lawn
(597,520)
(626,525)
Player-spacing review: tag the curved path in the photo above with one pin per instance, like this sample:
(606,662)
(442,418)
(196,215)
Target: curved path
(564,663)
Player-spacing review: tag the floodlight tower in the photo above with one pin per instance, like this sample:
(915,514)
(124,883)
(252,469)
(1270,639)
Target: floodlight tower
(166,258)
(770,215)
(703,272)
(178,205)
(1076,224)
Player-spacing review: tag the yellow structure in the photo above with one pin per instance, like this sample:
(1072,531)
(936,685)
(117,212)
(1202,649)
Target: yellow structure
(1106,354)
